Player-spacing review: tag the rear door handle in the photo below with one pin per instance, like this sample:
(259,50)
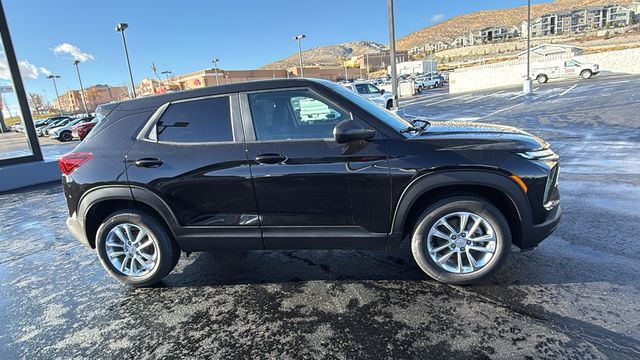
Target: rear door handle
(271,159)
(148,162)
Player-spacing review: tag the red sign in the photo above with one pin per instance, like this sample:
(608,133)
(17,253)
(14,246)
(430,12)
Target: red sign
(196,82)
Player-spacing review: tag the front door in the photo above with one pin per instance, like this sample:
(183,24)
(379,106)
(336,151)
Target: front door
(305,183)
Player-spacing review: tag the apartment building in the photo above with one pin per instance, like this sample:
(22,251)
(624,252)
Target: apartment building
(71,101)
(428,48)
(586,19)
(491,34)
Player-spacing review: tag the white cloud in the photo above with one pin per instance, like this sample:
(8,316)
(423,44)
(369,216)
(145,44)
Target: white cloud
(437,17)
(74,51)
(27,70)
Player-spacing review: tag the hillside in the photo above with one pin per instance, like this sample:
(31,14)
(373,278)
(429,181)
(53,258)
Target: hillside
(463,24)
(327,55)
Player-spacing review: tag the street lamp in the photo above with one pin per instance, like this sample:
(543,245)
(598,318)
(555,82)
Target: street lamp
(84,101)
(528,83)
(55,87)
(392,54)
(121,27)
(298,38)
(166,73)
(215,66)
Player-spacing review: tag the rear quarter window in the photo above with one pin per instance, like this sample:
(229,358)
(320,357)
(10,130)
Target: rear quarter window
(194,121)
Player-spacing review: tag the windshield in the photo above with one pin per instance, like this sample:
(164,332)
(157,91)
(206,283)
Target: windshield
(391,119)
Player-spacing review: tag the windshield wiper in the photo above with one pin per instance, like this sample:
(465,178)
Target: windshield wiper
(417,129)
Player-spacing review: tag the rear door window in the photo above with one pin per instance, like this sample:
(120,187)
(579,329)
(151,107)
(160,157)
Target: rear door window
(196,121)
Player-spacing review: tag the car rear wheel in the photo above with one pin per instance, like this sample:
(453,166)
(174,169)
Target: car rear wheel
(542,79)
(135,248)
(389,105)
(586,74)
(461,240)
(66,136)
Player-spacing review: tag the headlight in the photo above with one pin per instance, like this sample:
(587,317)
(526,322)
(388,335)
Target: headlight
(545,154)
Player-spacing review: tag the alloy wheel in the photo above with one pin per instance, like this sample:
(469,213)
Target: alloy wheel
(132,250)
(461,242)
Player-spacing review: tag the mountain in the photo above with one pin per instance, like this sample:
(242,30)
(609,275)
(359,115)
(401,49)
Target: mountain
(326,55)
(463,24)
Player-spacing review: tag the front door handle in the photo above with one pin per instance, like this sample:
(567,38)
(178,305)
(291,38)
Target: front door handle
(271,159)
(148,162)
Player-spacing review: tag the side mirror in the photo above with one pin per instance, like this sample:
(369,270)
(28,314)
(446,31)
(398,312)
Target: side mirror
(381,91)
(351,131)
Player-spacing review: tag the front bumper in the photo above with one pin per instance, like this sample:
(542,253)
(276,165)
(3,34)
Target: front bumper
(534,235)
(76,228)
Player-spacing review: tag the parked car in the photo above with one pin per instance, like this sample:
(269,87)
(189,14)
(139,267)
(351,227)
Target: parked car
(43,130)
(238,166)
(64,133)
(426,82)
(371,92)
(82,130)
(565,69)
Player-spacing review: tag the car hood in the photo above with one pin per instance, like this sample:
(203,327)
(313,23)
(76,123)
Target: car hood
(479,136)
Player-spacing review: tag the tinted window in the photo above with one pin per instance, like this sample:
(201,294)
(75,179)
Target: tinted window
(207,120)
(294,114)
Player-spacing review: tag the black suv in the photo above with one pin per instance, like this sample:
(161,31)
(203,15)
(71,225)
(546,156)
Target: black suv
(303,164)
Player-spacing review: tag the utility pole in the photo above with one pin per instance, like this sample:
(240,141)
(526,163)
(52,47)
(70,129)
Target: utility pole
(55,87)
(84,101)
(298,38)
(121,27)
(392,55)
(527,87)
(367,57)
(215,66)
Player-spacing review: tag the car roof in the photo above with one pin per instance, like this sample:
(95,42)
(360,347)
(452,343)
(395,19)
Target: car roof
(158,100)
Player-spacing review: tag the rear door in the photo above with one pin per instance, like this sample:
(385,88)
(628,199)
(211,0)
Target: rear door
(312,192)
(191,155)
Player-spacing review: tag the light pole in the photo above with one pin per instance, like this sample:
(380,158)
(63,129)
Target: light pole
(367,65)
(121,27)
(55,87)
(298,38)
(166,73)
(215,66)
(528,83)
(84,101)
(392,54)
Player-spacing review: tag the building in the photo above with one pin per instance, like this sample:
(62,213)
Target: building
(491,34)
(580,20)
(103,94)
(379,60)
(553,50)
(70,102)
(428,48)
(328,73)
(204,78)
(415,67)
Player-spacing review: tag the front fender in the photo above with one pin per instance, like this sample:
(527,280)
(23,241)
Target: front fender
(433,181)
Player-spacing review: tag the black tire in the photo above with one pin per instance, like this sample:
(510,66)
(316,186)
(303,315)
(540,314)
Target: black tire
(168,250)
(420,89)
(66,136)
(586,74)
(451,205)
(389,105)
(542,79)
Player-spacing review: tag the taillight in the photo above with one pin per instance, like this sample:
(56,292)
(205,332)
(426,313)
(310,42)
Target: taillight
(71,161)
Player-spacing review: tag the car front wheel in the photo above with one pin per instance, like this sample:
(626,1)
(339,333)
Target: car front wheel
(461,240)
(586,74)
(135,248)
(66,136)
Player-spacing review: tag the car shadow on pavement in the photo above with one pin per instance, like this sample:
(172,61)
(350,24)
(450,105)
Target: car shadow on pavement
(263,267)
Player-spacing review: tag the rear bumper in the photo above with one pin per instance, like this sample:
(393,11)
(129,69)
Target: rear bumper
(76,228)
(534,235)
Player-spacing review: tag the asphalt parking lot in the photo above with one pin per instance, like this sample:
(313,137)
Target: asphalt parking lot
(14,144)
(576,296)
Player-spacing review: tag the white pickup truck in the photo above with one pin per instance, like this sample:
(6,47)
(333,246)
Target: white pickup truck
(427,82)
(565,69)
(371,92)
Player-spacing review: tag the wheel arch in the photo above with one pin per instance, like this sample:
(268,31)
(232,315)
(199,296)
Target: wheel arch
(100,202)
(496,188)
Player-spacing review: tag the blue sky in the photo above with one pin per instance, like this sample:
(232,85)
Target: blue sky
(184,36)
